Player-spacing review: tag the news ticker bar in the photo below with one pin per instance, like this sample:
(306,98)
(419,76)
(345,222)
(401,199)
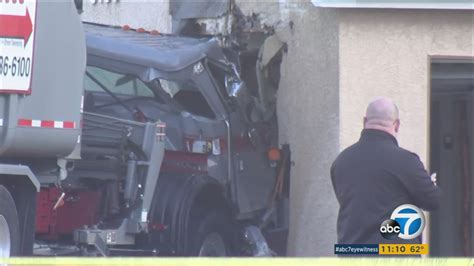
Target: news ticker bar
(381,249)
(289,261)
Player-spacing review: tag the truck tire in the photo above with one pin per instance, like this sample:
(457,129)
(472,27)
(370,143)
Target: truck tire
(9,225)
(213,236)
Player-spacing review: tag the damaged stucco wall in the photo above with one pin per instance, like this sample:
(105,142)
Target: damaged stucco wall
(308,112)
(387,52)
(337,61)
(147,14)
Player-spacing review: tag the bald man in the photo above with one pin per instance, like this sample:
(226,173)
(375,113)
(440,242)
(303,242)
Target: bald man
(374,176)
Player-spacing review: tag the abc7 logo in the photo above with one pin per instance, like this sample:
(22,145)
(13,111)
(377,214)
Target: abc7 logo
(406,222)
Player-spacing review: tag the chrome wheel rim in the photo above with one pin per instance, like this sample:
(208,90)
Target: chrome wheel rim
(213,246)
(4,238)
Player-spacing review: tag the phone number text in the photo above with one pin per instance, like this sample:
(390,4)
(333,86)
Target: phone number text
(15,66)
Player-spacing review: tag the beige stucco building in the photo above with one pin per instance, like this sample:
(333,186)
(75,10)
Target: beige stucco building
(337,61)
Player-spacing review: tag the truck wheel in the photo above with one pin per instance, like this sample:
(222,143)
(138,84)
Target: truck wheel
(9,225)
(213,237)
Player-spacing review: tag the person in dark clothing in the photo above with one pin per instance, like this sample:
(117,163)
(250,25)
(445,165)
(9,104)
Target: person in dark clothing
(374,176)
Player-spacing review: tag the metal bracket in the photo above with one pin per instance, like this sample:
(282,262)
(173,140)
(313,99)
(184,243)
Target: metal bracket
(93,238)
(101,238)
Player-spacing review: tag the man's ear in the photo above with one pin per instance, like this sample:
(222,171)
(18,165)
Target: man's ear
(397,125)
(364,122)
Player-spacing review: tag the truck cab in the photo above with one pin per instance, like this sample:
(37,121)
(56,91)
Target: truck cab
(131,142)
(216,150)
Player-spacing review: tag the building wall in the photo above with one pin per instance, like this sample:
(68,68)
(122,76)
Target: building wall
(308,112)
(387,53)
(147,14)
(338,60)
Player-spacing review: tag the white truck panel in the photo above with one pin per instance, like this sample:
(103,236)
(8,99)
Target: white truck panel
(43,120)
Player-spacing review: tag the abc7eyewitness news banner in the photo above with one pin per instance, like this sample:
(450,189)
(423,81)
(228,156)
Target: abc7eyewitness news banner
(406,222)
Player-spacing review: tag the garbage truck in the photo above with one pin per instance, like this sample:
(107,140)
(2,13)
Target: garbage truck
(119,141)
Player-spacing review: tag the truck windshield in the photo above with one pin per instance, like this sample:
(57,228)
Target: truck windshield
(182,94)
(186,95)
(116,83)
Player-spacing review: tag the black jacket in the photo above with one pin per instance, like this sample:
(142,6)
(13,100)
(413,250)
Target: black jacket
(373,177)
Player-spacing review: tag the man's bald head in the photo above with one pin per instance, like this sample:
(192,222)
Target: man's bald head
(382,114)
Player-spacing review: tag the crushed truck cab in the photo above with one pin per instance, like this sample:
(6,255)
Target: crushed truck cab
(156,147)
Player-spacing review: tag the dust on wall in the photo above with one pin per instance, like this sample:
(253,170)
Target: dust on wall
(147,14)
